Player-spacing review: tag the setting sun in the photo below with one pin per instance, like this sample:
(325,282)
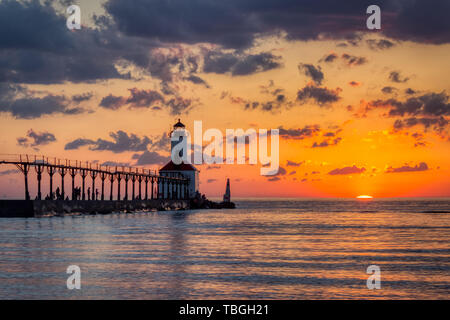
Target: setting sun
(364,197)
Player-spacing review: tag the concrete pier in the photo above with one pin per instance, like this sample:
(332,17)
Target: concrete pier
(42,208)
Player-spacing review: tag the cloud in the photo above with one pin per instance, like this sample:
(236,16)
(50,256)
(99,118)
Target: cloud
(22,104)
(273,179)
(351,60)
(300,133)
(347,170)
(395,76)
(211,180)
(115,164)
(354,83)
(430,104)
(437,124)
(237,24)
(327,143)
(78,98)
(8,172)
(406,168)
(112,102)
(315,73)
(122,142)
(143,98)
(330,57)
(196,80)
(148,99)
(34,139)
(149,157)
(322,96)
(388,90)
(381,44)
(239,64)
(293,163)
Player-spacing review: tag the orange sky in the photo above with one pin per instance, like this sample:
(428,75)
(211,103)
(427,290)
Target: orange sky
(367,139)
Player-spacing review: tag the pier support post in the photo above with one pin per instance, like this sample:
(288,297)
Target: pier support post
(127,177)
(153,190)
(140,191)
(146,187)
(119,178)
(25,168)
(73,173)
(158,182)
(83,173)
(51,172)
(62,172)
(111,178)
(93,176)
(39,170)
(133,180)
(103,177)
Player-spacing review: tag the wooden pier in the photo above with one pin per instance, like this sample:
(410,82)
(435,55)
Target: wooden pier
(164,191)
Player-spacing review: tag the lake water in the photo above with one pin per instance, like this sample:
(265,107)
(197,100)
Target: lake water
(279,249)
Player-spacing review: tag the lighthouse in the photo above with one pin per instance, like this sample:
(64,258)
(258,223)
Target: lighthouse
(227,196)
(187,170)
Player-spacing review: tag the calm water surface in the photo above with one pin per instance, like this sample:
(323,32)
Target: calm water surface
(262,250)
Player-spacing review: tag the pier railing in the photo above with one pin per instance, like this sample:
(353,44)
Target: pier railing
(175,187)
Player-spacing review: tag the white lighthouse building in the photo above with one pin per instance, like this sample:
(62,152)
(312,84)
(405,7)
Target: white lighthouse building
(185,169)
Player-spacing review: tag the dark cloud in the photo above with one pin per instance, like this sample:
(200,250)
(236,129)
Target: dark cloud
(34,139)
(309,70)
(327,143)
(322,96)
(430,104)
(410,91)
(388,90)
(77,143)
(211,180)
(8,172)
(196,80)
(330,57)
(237,23)
(406,168)
(437,124)
(22,104)
(300,133)
(115,164)
(273,179)
(239,64)
(122,142)
(148,99)
(144,98)
(78,98)
(395,76)
(381,44)
(354,83)
(347,170)
(353,60)
(112,102)
(149,157)
(130,32)
(293,163)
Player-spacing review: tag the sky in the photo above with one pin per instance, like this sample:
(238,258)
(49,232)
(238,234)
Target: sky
(359,111)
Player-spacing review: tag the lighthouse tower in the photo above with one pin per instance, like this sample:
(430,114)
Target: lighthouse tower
(227,195)
(185,169)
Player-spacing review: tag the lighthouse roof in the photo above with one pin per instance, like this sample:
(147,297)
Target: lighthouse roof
(178,167)
(179,124)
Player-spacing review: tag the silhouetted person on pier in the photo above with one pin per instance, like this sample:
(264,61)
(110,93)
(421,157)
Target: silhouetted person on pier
(58,194)
(89,193)
(96,194)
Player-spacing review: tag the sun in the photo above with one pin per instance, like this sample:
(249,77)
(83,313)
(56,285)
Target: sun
(364,196)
